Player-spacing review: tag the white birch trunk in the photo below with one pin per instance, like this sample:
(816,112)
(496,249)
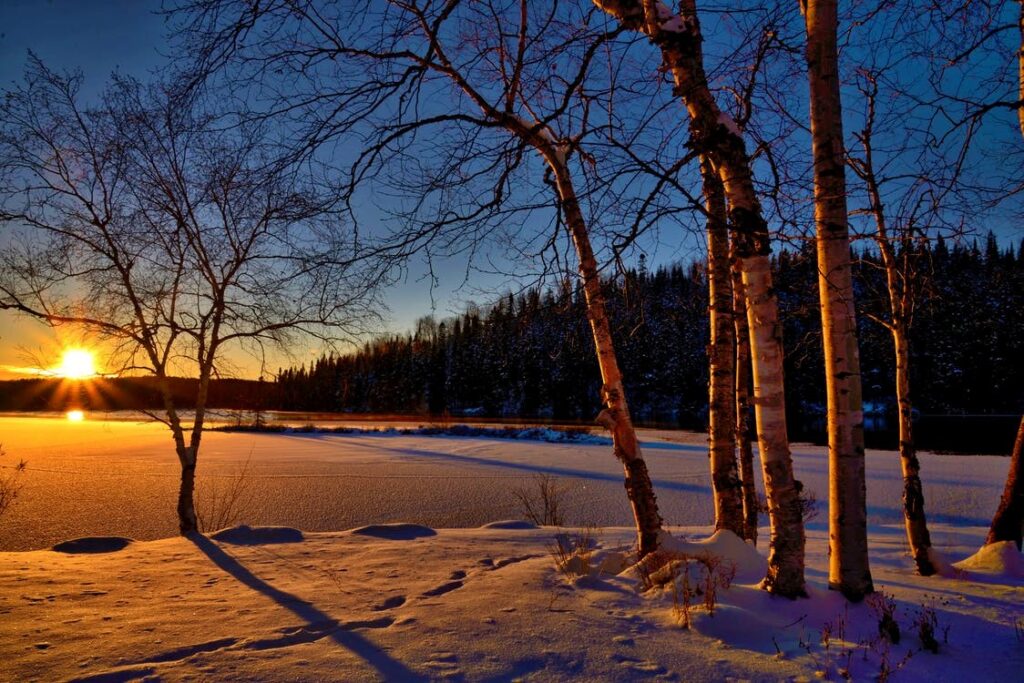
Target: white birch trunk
(615,417)
(849,570)
(725,480)
(746,451)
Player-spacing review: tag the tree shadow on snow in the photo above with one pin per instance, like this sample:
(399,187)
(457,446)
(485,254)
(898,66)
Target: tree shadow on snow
(544,469)
(319,623)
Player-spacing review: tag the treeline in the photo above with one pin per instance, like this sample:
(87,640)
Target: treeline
(131,393)
(530,355)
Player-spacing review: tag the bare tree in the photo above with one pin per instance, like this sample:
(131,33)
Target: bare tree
(493,74)
(849,570)
(901,262)
(170,237)
(915,179)
(716,134)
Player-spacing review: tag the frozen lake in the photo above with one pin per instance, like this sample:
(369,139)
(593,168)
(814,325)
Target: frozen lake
(120,477)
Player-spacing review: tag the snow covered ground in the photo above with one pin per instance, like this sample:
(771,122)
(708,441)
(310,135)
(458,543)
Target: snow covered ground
(426,601)
(120,478)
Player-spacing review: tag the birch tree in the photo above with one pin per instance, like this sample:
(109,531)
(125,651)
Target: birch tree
(728,493)
(903,284)
(742,399)
(716,135)
(170,240)
(849,570)
(914,170)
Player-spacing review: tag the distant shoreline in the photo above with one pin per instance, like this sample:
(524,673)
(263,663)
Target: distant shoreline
(978,439)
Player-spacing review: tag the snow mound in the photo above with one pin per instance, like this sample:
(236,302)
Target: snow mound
(749,618)
(995,559)
(724,544)
(395,532)
(92,545)
(513,524)
(257,535)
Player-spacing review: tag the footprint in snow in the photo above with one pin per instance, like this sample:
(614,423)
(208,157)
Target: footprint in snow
(644,666)
(444,665)
(442,589)
(390,603)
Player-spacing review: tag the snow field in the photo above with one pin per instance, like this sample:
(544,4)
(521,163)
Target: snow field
(418,601)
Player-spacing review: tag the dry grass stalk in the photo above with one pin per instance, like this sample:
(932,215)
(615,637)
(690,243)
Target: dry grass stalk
(223,501)
(542,501)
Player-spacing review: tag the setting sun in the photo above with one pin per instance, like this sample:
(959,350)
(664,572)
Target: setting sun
(77,364)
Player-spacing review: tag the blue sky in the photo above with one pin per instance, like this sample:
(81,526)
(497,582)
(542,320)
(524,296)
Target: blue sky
(100,36)
(96,36)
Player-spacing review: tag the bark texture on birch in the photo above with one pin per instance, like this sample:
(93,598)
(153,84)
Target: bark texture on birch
(913,492)
(1008,522)
(849,571)
(782,490)
(715,134)
(1020,66)
(615,416)
(746,450)
(726,487)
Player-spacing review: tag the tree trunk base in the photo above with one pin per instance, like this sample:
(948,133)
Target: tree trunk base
(1008,522)
(187,521)
(640,491)
(786,547)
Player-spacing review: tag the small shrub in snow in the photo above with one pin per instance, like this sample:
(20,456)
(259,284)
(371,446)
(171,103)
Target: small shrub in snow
(648,569)
(884,608)
(718,574)
(573,552)
(690,577)
(542,500)
(10,482)
(808,504)
(221,502)
(886,668)
(927,625)
(839,653)
(806,498)
(835,632)
(682,594)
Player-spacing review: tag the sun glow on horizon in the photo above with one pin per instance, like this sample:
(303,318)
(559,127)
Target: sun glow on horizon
(76,364)
(75,415)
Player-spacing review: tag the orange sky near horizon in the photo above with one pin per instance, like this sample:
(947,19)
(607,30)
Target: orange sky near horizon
(29,348)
